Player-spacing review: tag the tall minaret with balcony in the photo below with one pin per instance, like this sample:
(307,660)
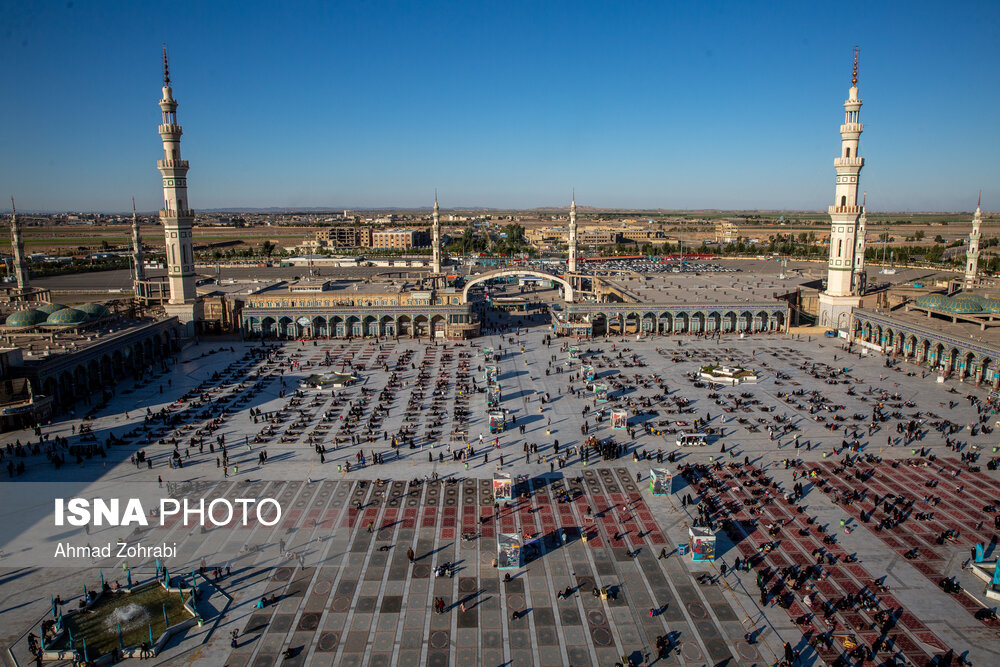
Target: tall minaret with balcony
(859,251)
(176,216)
(17,244)
(571,263)
(972,255)
(436,238)
(839,298)
(137,255)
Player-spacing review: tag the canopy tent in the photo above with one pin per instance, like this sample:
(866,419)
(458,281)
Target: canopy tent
(619,419)
(589,373)
(601,392)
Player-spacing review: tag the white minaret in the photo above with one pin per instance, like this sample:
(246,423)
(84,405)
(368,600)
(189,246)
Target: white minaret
(175,216)
(972,255)
(17,243)
(859,250)
(436,238)
(572,235)
(836,302)
(137,258)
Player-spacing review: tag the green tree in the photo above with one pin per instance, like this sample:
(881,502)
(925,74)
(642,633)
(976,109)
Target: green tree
(267,248)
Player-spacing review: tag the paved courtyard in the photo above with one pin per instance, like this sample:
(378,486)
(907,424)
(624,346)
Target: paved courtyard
(337,562)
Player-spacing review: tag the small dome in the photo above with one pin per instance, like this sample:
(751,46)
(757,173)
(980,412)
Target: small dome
(965,304)
(93,310)
(935,301)
(49,308)
(25,318)
(66,317)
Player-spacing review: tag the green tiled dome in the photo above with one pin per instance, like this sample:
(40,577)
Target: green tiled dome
(991,305)
(960,305)
(49,308)
(66,317)
(93,310)
(25,318)
(965,304)
(935,301)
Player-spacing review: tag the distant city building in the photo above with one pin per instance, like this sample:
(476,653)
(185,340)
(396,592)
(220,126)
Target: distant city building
(399,239)
(728,231)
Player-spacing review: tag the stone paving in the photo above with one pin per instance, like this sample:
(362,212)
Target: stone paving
(343,600)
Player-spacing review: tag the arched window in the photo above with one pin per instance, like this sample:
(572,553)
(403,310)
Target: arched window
(843,200)
(847,151)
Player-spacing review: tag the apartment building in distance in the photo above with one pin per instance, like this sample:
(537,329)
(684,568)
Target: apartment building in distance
(400,239)
(344,237)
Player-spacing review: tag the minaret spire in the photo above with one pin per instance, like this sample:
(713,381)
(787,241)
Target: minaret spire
(846,219)
(176,215)
(859,279)
(17,243)
(137,257)
(436,237)
(166,67)
(972,255)
(571,259)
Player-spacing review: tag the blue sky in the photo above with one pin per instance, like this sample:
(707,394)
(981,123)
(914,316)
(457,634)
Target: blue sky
(506,104)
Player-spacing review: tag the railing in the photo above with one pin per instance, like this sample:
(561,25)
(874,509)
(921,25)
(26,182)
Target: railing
(171,128)
(845,209)
(171,164)
(165,213)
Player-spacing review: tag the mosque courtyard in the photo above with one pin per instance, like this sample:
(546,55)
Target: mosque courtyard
(387,555)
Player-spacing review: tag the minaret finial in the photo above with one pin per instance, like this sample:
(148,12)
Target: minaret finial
(14,210)
(133,207)
(978,203)
(574,195)
(864,198)
(854,77)
(435,195)
(166,67)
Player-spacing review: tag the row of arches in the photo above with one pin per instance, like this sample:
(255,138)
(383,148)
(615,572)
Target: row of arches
(90,378)
(727,321)
(353,326)
(949,359)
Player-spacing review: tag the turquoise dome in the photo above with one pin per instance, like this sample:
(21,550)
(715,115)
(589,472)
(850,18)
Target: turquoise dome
(964,304)
(935,301)
(49,308)
(66,317)
(991,305)
(93,310)
(25,318)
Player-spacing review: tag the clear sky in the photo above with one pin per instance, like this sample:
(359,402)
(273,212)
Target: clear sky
(506,104)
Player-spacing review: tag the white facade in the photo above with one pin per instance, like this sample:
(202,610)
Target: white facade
(436,239)
(572,237)
(972,255)
(17,243)
(841,291)
(176,216)
(137,255)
